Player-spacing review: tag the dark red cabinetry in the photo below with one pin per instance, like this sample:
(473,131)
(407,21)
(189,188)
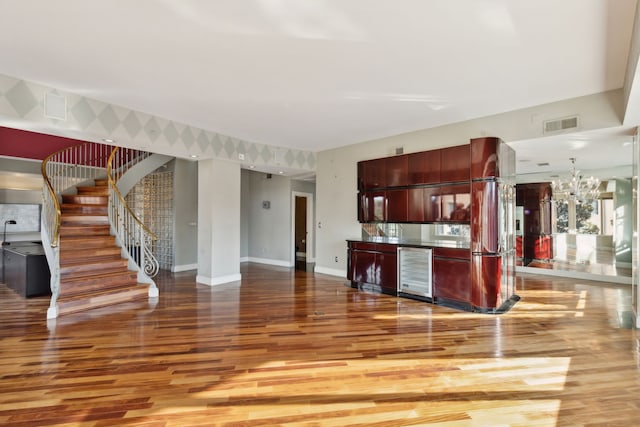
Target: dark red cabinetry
(454,163)
(397,171)
(372,174)
(408,188)
(372,206)
(397,205)
(424,204)
(456,202)
(373,264)
(452,274)
(451,279)
(424,167)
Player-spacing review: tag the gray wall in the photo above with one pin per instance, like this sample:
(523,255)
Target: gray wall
(245,204)
(185,200)
(269,230)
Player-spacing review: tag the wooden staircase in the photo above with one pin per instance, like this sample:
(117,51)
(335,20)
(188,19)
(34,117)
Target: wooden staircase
(92,271)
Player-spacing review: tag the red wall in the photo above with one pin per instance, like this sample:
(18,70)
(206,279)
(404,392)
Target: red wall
(31,145)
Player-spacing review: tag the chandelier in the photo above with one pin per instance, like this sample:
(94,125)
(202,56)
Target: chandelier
(576,188)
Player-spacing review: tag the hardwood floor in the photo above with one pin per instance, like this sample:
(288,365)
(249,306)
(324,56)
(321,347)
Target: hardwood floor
(290,348)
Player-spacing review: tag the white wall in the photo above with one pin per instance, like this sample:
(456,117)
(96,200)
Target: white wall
(218,222)
(336,175)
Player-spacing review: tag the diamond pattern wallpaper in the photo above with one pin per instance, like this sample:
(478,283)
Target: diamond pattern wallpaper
(22,106)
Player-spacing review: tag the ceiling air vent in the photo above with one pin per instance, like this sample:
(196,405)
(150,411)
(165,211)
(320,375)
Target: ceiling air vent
(558,125)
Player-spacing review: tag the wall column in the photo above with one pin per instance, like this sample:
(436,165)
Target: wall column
(218,222)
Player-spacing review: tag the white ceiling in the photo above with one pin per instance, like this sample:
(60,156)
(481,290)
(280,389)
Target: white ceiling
(318,74)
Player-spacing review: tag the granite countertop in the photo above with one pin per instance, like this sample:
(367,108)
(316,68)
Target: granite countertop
(456,244)
(24,248)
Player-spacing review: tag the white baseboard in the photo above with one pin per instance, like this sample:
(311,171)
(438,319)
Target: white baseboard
(186,267)
(244,259)
(330,271)
(213,281)
(277,262)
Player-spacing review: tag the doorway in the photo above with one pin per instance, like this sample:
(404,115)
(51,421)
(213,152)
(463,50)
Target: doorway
(302,205)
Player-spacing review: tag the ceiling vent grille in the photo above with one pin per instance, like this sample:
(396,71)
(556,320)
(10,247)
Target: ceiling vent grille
(557,125)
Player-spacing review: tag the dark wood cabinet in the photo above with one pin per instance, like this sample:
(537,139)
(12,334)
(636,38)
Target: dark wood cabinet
(373,264)
(424,204)
(415,205)
(455,163)
(362,266)
(25,270)
(456,202)
(397,205)
(372,174)
(397,171)
(452,279)
(387,268)
(424,167)
(372,206)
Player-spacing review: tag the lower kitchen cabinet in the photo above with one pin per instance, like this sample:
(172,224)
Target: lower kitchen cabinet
(373,264)
(452,279)
(25,270)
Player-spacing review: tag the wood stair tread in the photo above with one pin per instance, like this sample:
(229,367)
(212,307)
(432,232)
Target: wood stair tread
(85,230)
(83,302)
(97,284)
(88,254)
(106,276)
(86,199)
(84,242)
(102,261)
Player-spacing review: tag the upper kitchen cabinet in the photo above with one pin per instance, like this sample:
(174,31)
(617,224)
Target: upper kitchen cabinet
(372,174)
(397,205)
(456,202)
(372,206)
(424,167)
(397,171)
(455,163)
(492,158)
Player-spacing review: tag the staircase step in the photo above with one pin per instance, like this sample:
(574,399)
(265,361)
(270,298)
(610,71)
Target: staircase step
(86,219)
(80,199)
(93,190)
(89,254)
(84,230)
(101,182)
(86,242)
(81,208)
(80,268)
(106,297)
(97,283)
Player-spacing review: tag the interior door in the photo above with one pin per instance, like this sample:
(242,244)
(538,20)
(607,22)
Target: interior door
(301,232)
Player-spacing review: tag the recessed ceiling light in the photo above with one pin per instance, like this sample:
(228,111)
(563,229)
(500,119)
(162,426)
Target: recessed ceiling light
(252,167)
(280,172)
(109,140)
(194,156)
